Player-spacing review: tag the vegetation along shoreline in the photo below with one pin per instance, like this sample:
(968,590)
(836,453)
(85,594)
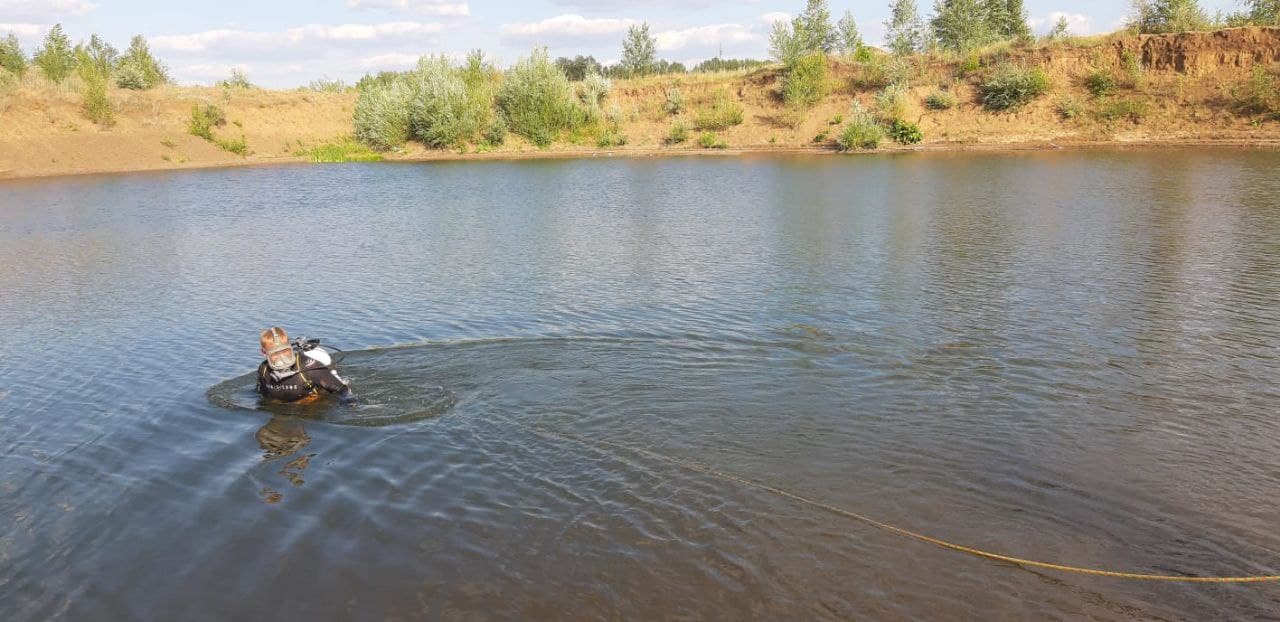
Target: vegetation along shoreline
(970,76)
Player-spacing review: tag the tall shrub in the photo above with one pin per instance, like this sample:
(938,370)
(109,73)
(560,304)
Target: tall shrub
(1011,86)
(848,37)
(961,25)
(1163,16)
(536,99)
(138,69)
(11,56)
(788,42)
(815,21)
(93,64)
(639,51)
(904,32)
(382,115)
(55,57)
(805,84)
(438,109)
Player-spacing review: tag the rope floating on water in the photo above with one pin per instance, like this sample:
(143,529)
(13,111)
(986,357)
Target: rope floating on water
(701,468)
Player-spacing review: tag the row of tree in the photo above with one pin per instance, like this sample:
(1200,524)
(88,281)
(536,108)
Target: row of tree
(57,59)
(963,25)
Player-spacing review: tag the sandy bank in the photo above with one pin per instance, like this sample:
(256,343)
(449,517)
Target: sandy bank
(1184,85)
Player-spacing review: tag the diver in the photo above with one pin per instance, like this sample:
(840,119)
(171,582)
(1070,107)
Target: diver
(298,371)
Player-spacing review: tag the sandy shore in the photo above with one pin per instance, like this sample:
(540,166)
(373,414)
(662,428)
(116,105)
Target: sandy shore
(639,152)
(1183,96)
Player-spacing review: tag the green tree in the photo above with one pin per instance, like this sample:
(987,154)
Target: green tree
(1061,29)
(961,25)
(639,51)
(55,58)
(1015,25)
(138,69)
(579,67)
(788,42)
(904,31)
(815,23)
(850,40)
(97,57)
(1264,11)
(1162,16)
(11,56)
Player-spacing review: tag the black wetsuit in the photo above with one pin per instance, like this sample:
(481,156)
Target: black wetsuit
(315,378)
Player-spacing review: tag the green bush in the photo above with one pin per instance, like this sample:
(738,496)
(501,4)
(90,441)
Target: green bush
(238,146)
(905,132)
(1123,109)
(675,101)
(708,140)
(594,89)
(237,80)
(1069,107)
(893,102)
(131,77)
(678,134)
(325,85)
(96,105)
(722,114)
(805,83)
(1132,69)
(822,136)
(881,71)
(496,132)
(940,100)
(8,82)
(344,149)
(1100,82)
(205,117)
(439,114)
(1011,86)
(970,65)
(1258,94)
(382,115)
(537,99)
(138,69)
(11,57)
(55,58)
(612,136)
(861,132)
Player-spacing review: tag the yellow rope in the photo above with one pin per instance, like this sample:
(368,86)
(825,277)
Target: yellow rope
(694,466)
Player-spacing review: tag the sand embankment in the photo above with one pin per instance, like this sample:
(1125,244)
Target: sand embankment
(1184,86)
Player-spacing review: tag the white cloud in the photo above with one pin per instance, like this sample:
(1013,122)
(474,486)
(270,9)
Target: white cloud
(24,31)
(597,6)
(572,30)
(1077,23)
(706,37)
(566,28)
(776,16)
(44,9)
(445,8)
(231,39)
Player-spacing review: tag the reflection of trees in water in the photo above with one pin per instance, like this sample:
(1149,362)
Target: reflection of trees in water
(280,439)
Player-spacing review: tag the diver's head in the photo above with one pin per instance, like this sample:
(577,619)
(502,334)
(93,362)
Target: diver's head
(275,346)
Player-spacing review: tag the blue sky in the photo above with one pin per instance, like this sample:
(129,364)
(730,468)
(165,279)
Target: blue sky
(290,43)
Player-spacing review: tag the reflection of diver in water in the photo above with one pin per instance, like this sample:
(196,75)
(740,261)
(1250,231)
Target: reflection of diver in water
(281,438)
(298,371)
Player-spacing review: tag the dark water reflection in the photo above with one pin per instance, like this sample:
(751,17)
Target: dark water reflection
(1064,356)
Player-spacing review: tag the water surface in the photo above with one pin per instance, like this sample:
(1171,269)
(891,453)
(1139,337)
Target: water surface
(1064,356)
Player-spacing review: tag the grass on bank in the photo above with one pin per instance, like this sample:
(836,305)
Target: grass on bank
(341,149)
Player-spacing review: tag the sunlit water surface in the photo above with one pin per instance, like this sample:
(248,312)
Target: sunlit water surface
(1064,356)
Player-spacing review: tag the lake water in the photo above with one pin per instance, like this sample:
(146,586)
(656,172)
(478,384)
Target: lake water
(1065,356)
